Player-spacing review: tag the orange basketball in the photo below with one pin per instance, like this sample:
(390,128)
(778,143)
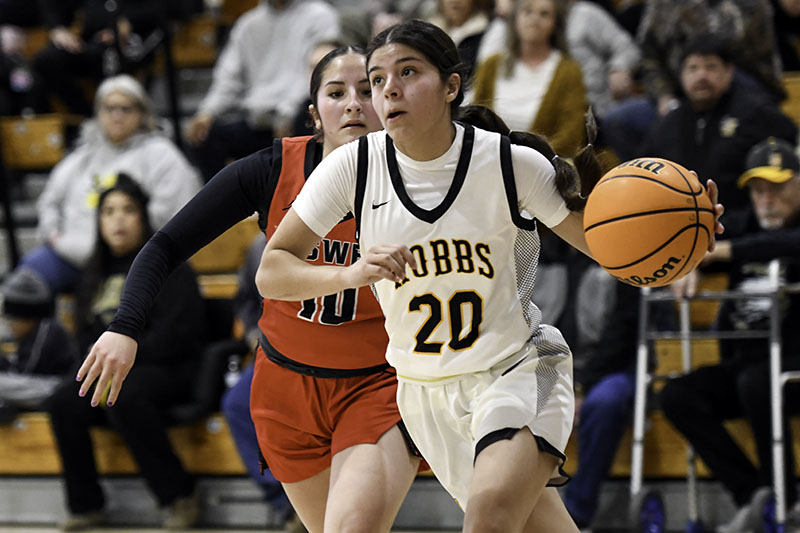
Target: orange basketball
(648,222)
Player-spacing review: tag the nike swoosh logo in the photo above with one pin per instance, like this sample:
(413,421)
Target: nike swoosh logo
(376,206)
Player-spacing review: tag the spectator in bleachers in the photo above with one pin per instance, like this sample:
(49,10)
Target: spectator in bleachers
(786,19)
(123,137)
(259,80)
(114,37)
(606,53)
(717,121)
(167,361)
(35,351)
(466,22)
(600,325)
(534,85)
(739,386)
(666,27)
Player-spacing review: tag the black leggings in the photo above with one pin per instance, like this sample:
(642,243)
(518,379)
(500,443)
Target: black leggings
(138,418)
(699,402)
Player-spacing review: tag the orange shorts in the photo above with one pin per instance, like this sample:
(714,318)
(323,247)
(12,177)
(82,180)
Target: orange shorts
(302,421)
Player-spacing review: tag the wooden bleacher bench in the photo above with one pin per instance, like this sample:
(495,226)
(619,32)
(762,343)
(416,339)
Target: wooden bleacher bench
(218,263)
(194,45)
(27,447)
(35,142)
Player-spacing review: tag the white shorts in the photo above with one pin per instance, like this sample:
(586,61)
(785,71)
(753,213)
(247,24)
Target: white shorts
(447,419)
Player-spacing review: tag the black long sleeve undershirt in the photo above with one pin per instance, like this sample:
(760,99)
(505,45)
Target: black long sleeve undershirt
(235,193)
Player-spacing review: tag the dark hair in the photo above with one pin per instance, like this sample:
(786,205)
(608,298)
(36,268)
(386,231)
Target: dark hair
(708,44)
(319,71)
(574,183)
(98,267)
(433,43)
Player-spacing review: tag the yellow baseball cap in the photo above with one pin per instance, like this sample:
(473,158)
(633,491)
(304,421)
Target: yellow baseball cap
(773,159)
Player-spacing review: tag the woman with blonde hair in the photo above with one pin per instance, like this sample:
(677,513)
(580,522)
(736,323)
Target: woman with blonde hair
(534,85)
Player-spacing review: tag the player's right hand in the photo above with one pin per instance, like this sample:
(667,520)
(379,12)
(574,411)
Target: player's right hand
(383,261)
(108,362)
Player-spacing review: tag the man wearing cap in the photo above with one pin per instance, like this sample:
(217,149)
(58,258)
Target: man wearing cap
(35,350)
(738,387)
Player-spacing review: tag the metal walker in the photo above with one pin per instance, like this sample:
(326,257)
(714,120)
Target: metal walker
(647,511)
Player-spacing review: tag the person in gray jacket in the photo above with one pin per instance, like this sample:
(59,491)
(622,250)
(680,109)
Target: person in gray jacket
(606,53)
(123,137)
(260,79)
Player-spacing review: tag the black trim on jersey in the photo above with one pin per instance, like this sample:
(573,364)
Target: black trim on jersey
(272,182)
(412,448)
(434,214)
(510,184)
(313,156)
(315,371)
(541,443)
(361,181)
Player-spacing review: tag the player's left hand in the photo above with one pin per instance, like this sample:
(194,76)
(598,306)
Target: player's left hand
(111,356)
(713,194)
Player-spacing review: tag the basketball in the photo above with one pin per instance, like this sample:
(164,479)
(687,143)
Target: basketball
(648,222)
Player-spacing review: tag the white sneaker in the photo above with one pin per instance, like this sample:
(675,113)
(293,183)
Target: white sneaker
(742,522)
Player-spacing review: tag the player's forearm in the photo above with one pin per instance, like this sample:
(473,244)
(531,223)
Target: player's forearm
(283,276)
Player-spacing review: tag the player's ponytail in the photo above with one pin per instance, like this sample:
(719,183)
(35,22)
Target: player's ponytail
(586,161)
(574,183)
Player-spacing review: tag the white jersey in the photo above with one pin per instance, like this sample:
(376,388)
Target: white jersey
(468,304)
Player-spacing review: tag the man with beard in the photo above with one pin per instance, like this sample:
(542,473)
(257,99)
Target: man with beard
(716,121)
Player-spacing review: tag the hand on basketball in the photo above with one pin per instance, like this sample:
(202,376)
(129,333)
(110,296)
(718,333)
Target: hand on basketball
(384,261)
(108,362)
(719,209)
(686,287)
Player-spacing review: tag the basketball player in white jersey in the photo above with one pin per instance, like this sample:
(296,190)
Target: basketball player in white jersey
(485,389)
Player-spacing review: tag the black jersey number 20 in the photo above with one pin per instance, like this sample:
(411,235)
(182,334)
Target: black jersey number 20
(459,339)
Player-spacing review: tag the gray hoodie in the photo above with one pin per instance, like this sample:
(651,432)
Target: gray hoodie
(66,207)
